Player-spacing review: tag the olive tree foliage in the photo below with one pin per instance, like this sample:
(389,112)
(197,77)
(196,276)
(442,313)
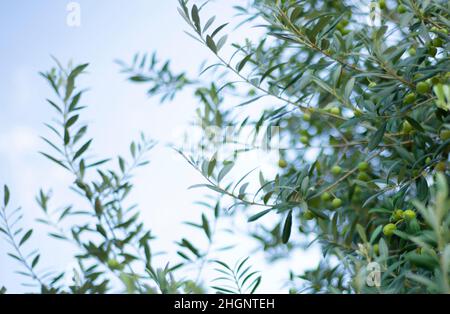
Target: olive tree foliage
(114,252)
(370,95)
(368,100)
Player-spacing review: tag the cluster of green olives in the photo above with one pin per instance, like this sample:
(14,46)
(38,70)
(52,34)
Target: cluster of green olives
(421,88)
(341,27)
(363,167)
(335,202)
(398,216)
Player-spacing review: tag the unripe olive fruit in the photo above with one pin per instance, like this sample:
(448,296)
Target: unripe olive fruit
(282,163)
(436,30)
(306,116)
(337,202)
(437,42)
(389,229)
(325,197)
(336,170)
(304,140)
(113,264)
(308,215)
(398,214)
(382,4)
(445,135)
(435,80)
(412,51)
(423,87)
(401,9)
(363,176)
(409,214)
(407,127)
(363,166)
(441,166)
(335,110)
(376,248)
(409,98)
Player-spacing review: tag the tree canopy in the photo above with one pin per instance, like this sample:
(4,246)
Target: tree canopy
(359,97)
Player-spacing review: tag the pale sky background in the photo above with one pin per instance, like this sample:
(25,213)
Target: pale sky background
(31,31)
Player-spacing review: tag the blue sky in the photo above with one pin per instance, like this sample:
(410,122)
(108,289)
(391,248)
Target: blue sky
(31,31)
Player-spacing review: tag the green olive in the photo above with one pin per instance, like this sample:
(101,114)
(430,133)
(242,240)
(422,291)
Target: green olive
(336,170)
(304,140)
(304,132)
(412,51)
(401,9)
(423,87)
(376,248)
(435,80)
(337,202)
(407,127)
(325,197)
(398,214)
(389,229)
(436,30)
(306,116)
(344,31)
(363,176)
(409,98)
(335,110)
(363,166)
(114,264)
(445,135)
(437,42)
(409,214)
(282,163)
